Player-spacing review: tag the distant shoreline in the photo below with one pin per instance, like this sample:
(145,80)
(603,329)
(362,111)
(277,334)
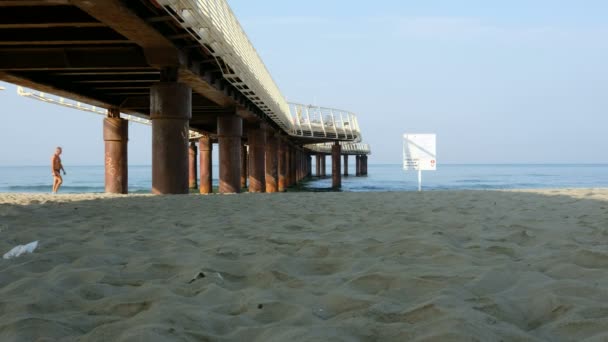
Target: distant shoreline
(379,164)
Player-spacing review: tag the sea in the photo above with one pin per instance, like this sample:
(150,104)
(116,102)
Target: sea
(381,177)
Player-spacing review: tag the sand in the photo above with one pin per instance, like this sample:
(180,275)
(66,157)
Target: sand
(434,266)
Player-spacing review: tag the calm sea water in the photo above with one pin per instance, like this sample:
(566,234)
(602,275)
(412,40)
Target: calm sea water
(381,178)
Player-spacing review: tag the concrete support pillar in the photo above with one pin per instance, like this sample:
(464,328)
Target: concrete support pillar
(292,156)
(230,134)
(323,169)
(318,166)
(346,165)
(292,166)
(206,146)
(116,136)
(244,166)
(282,169)
(257,173)
(298,165)
(364,165)
(358,166)
(309,165)
(170,111)
(192,161)
(336,174)
(272,162)
(302,165)
(295,166)
(287,165)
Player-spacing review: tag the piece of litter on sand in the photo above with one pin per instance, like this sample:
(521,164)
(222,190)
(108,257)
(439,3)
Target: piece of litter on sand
(321,313)
(220,276)
(199,275)
(21,249)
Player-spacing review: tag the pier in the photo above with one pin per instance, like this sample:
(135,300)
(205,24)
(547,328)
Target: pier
(187,69)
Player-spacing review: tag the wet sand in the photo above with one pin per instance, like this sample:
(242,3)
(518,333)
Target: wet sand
(435,266)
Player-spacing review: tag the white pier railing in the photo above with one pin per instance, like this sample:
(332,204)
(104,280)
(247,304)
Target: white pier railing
(215,27)
(347,148)
(320,122)
(213,24)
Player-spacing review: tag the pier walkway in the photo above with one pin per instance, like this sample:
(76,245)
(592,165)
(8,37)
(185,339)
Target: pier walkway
(185,67)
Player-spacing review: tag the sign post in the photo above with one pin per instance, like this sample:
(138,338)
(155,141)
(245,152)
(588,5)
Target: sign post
(419,154)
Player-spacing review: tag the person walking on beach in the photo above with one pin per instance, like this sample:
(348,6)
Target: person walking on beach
(56,167)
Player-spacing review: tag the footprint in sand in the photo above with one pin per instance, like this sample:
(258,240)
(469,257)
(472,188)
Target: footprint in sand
(426,312)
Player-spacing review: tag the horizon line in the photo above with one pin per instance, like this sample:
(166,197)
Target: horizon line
(439,164)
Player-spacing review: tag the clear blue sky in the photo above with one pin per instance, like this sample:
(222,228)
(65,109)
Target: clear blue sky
(499,82)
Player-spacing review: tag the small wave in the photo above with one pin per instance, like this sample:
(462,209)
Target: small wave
(140,191)
(373,188)
(65,189)
(47,188)
(469,181)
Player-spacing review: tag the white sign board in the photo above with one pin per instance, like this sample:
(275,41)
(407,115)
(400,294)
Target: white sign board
(420,152)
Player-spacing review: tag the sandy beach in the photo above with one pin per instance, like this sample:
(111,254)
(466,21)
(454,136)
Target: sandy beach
(433,266)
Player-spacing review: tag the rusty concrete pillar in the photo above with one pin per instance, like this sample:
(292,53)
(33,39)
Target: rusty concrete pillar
(292,177)
(363,165)
(257,141)
(295,166)
(230,134)
(170,111)
(244,166)
(282,165)
(323,168)
(300,159)
(336,173)
(116,137)
(308,165)
(318,165)
(305,164)
(192,161)
(345,165)
(292,166)
(302,168)
(287,164)
(298,166)
(272,162)
(304,161)
(205,146)
(296,159)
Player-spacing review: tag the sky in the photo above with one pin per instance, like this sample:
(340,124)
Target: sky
(514,81)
